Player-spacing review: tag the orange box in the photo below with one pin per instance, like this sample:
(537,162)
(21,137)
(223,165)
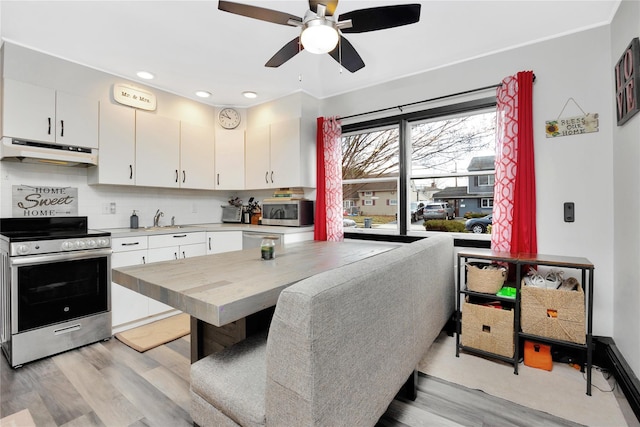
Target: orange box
(537,355)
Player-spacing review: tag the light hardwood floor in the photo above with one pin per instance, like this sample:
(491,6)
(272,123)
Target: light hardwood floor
(110,384)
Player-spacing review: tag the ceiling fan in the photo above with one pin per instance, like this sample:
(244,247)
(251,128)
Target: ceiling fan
(321,31)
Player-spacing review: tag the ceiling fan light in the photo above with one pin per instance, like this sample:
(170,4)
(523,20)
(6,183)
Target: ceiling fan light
(319,36)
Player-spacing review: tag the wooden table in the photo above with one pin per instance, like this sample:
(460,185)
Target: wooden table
(231,295)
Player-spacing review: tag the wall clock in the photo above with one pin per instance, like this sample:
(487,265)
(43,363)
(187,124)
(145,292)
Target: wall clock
(229,118)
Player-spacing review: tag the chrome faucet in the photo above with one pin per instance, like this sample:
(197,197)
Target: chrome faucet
(156,217)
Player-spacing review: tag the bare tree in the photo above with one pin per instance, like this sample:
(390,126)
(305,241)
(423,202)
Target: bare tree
(433,145)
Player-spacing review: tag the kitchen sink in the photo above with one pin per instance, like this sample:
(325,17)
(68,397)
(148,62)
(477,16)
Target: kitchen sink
(164,227)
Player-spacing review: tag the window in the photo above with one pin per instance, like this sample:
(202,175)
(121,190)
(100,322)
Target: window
(445,154)
(486,180)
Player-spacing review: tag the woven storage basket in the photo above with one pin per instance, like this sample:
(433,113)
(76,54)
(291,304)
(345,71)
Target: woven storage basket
(487,328)
(553,313)
(488,281)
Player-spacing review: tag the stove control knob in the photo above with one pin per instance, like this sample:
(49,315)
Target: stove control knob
(91,243)
(103,242)
(67,245)
(80,244)
(23,249)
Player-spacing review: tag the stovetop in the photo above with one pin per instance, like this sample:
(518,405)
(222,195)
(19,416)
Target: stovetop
(31,236)
(47,228)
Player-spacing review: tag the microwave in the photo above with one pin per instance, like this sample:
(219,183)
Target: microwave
(292,213)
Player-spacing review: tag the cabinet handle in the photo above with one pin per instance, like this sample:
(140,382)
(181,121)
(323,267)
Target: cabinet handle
(184,255)
(61,127)
(266,177)
(175,236)
(144,260)
(272,177)
(49,130)
(218,179)
(177,175)
(130,244)
(209,243)
(175,255)
(130,171)
(184,176)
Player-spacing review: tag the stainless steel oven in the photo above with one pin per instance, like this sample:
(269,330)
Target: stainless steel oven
(55,288)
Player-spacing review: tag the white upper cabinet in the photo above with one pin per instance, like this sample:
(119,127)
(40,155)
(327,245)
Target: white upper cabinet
(279,155)
(157,150)
(43,114)
(230,160)
(257,158)
(197,157)
(117,139)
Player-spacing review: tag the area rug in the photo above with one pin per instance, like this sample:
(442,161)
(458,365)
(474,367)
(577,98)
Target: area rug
(560,392)
(19,419)
(157,333)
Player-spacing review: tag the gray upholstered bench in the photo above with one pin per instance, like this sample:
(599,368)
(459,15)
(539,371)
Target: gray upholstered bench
(340,346)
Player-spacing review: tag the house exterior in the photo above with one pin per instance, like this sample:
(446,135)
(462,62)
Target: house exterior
(477,196)
(374,198)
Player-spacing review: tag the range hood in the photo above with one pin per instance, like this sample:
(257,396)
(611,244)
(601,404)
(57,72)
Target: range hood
(53,154)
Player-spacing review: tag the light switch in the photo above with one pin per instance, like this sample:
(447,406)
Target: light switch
(569,212)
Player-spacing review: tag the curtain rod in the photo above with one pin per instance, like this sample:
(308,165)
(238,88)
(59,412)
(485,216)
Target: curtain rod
(423,101)
(426,100)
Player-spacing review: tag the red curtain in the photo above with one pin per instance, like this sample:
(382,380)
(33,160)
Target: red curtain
(514,211)
(328,215)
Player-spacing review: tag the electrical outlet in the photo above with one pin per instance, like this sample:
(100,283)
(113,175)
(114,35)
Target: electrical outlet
(569,212)
(112,207)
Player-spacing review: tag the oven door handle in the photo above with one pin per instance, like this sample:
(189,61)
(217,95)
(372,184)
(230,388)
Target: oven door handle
(61,256)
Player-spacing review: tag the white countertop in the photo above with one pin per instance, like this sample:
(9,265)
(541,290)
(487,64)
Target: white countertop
(130,232)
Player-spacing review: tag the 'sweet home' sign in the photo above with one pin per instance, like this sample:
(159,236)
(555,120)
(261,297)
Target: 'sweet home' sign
(28,201)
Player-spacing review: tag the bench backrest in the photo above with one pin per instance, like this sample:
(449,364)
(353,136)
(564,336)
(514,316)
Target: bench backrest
(342,343)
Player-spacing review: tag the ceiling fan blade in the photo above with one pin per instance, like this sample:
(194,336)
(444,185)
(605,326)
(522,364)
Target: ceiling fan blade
(287,52)
(257,12)
(380,18)
(331,6)
(350,58)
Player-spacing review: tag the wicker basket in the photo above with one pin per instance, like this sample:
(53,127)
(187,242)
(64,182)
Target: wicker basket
(487,328)
(553,313)
(487,281)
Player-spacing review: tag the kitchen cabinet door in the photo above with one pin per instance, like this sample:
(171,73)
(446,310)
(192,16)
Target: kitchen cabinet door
(258,172)
(157,150)
(285,154)
(76,120)
(117,144)
(223,241)
(43,114)
(197,157)
(229,160)
(127,305)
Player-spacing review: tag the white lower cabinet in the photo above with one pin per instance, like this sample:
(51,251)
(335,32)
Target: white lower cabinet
(167,247)
(223,241)
(126,305)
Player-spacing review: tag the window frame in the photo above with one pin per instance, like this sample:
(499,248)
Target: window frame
(403,122)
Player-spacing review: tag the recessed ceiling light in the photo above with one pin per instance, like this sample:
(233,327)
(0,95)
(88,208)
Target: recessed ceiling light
(203,94)
(145,75)
(250,94)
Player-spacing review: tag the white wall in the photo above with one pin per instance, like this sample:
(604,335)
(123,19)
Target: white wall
(626,177)
(574,168)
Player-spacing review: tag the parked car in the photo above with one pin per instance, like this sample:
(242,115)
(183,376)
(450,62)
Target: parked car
(417,211)
(479,225)
(438,210)
(348,223)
